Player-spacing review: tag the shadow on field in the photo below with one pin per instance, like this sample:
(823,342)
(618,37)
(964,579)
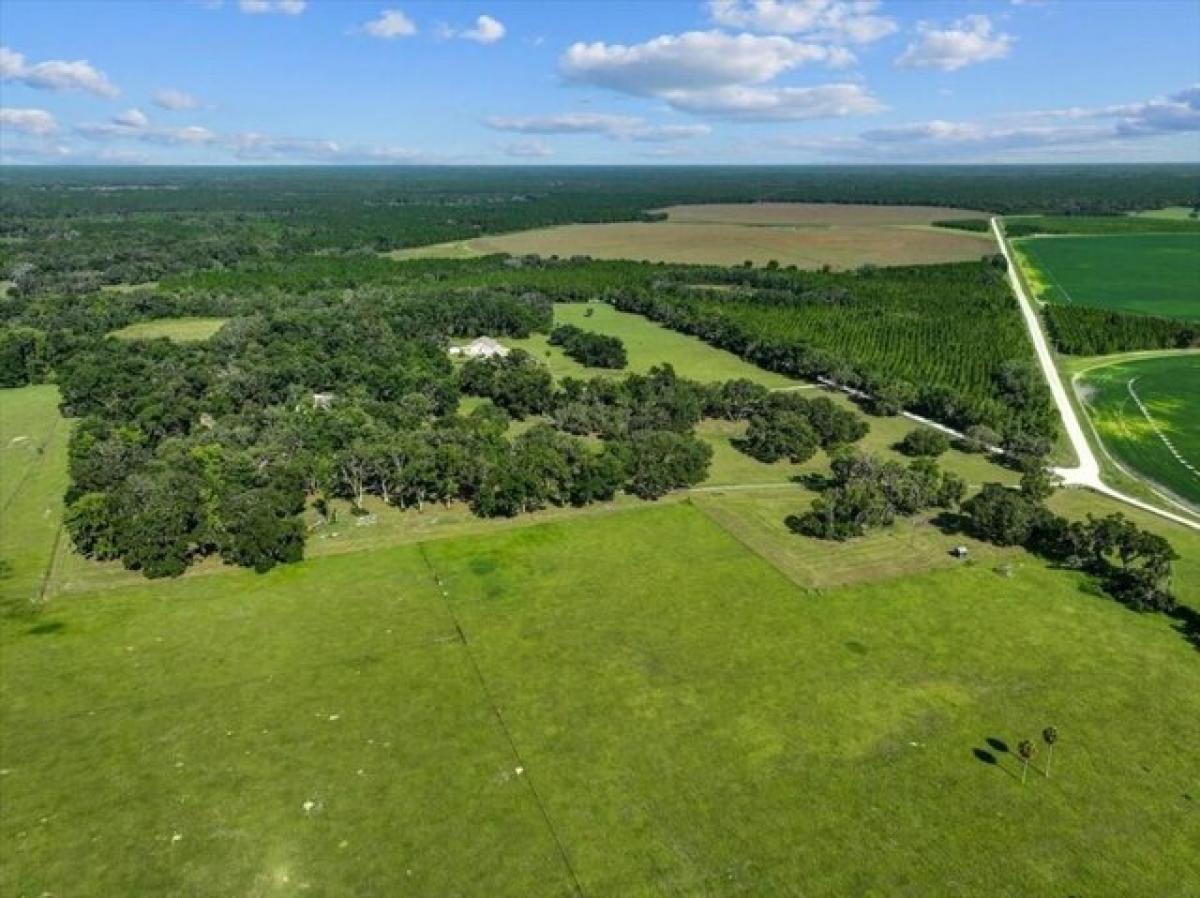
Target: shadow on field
(49,628)
(996,748)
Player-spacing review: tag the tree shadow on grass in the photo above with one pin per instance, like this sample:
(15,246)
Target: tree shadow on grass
(47,628)
(998,748)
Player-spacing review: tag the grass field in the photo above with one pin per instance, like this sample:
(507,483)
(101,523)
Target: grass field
(635,704)
(1149,274)
(33,476)
(1171,213)
(801,234)
(647,344)
(1146,412)
(181,330)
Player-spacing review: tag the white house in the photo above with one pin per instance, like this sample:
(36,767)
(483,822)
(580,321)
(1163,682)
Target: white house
(483,348)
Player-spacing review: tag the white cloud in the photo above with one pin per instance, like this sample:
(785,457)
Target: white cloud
(527,149)
(55,74)
(392,23)
(486,31)
(968,41)
(257,147)
(617,127)
(262,7)
(37,122)
(695,60)
(175,100)
(832,20)
(132,118)
(779,103)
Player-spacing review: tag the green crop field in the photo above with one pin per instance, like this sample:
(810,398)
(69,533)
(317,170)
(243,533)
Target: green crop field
(1150,274)
(181,330)
(1147,414)
(635,704)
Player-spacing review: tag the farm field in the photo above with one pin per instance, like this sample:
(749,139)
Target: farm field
(181,330)
(804,235)
(33,477)
(834,719)
(1173,213)
(1148,274)
(1145,412)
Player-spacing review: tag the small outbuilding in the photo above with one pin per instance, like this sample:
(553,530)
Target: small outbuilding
(482,348)
(322,401)
(959,552)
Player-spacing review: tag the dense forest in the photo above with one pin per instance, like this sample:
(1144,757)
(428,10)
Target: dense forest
(73,229)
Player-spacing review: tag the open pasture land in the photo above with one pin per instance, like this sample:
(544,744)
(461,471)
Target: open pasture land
(33,476)
(805,235)
(1147,414)
(631,705)
(181,330)
(647,344)
(1147,274)
(1170,213)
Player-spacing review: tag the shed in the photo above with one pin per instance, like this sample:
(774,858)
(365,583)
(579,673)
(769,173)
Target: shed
(959,551)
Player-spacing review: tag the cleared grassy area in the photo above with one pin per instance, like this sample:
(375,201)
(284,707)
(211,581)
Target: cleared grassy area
(181,330)
(809,243)
(1146,411)
(33,476)
(1173,213)
(1148,274)
(636,703)
(647,345)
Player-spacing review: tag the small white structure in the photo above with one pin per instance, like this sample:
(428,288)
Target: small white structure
(482,348)
(322,401)
(959,552)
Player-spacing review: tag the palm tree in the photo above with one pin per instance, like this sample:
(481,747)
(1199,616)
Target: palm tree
(1049,736)
(1026,750)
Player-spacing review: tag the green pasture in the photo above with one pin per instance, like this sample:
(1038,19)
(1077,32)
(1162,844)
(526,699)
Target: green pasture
(647,345)
(33,477)
(635,704)
(1148,274)
(181,330)
(1160,437)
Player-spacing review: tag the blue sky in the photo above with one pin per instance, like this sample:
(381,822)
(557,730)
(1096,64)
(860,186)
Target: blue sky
(585,81)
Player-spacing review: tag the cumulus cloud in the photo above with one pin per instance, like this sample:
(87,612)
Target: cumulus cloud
(37,122)
(256,147)
(283,7)
(392,23)
(486,31)
(175,100)
(852,21)
(132,118)
(618,127)
(966,42)
(1079,128)
(780,103)
(55,74)
(695,60)
(716,74)
(527,149)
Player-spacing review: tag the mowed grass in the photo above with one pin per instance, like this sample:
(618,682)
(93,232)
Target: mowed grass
(636,704)
(181,330)
(1160,438)
(33,477)
(1148,274)
(802,234)
(647,344)
(1170,213)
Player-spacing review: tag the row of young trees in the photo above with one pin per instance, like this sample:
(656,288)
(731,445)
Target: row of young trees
(1078,330)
